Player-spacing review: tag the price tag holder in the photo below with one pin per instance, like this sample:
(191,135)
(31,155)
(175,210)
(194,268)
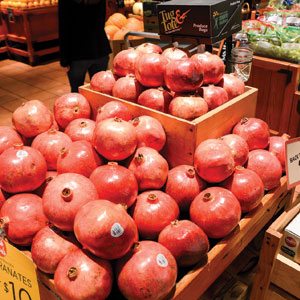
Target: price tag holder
(292,148)
(18,279)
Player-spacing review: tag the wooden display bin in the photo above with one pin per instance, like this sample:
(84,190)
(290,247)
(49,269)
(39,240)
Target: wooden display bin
(3,47)
(184,136)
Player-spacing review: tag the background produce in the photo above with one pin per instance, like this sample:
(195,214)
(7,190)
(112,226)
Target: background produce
(27,3)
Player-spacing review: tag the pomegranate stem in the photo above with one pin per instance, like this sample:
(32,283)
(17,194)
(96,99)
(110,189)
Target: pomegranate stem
(72,273)
(67,194)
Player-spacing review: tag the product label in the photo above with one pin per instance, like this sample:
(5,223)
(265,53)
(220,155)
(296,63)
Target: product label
(161,260)
(18,280)
(116,230)
(293,162)
(22,154)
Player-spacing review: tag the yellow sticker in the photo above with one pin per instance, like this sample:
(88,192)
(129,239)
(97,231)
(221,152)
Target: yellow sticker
(18,279)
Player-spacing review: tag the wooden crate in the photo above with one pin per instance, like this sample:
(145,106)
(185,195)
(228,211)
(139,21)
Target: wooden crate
(183,136)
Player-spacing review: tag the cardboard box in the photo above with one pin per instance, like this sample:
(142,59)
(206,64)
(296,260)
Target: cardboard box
(291,240)
(211,19)
(151,23)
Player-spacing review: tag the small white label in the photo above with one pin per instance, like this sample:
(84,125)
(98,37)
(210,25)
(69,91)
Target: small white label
(116,230)
(22,154)
(293,162)
(161,260)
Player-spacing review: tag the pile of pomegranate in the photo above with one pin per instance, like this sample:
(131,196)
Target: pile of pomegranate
(169,80)
(99,191)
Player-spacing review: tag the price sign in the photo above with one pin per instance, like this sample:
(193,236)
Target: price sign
(292,148)
(18,280)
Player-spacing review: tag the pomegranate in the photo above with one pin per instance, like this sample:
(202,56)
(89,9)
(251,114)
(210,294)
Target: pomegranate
(148,48)
(115,139)
(81,130)
(115,183)
(254,131)
(103,82)
(186,241)
(246,186)
(150,168)
(69,107)
(50,143)
(150,132)
(50,175)
(156,266)
(64,196)
(152,212)
(48,248)
(186,75)
(267,166)
(158,99)
(22,217)
(239,148)
(2,198)
(127,88)
(80,275)
(212,65)
(183,185)
(8,137)
(105,229)
(217,211)
(80,157)
(22,169)
(124,62)
(174,54)
(214,96)
(32,118)
(277,147)
(188,107)
(150,68)
(213,160)
(232,85)
(113,109)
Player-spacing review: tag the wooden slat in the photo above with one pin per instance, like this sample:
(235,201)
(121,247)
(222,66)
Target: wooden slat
(16,38)
(294,125)
(275,293)
(18,51)
(46,51)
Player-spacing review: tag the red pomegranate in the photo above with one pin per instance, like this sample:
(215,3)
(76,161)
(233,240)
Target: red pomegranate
(69,107)
(127,88)
(22,217)
(150,68)
(217,211)
(213,160)
(152,212)
(150,132)
(183,185)
(157,266)
(148,48)
(103,82)
(267,166)
(50,175)
(174,54)
(22,169)
(214,96)
(2,198)
(105,229)
(8,138)
(80,157)
(81,130)
(158,99)
(64,196)
(232,85)
(277,147)
(124,62)
(48,248)
(254,131)
(184,76)
(188,107)
(50,143)
(80,275)
(186,241)
(150,168)
(246,186)
(238,146)
(115,183)
(32,118)
(115,139)
(212,65)
(113,109)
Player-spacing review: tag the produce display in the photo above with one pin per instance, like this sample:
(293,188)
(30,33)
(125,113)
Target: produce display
(27,3)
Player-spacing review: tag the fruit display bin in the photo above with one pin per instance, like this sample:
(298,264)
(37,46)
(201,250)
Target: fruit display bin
(194,282)
(184,136)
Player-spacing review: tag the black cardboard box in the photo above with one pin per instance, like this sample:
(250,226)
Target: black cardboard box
(212,19)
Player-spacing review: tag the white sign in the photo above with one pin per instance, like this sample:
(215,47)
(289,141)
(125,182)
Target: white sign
(293,162)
